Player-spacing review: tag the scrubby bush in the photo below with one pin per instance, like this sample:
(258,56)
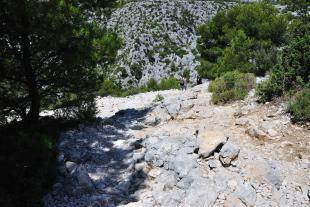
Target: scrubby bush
(241,38)
(152,85)
(110,87)
(268,89)
(136,70)
(299,106)
(158,98)
(292,71)
(168,83)
(186,74)
(231,86)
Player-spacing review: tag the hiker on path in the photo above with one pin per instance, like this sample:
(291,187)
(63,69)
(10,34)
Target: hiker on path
(199,80)
(183,83)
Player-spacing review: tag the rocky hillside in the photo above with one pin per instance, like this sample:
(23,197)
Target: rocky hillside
(159,38)
(175,149)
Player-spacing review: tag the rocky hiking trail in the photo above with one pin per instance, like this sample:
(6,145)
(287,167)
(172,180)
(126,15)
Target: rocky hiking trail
(182,151)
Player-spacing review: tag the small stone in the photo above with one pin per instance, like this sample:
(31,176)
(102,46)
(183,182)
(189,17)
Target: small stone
(142,166)
(61,158)
(228,153)
(234,163)
(272,132)
(214,163)
(158,163)
(70,166)
(154,173)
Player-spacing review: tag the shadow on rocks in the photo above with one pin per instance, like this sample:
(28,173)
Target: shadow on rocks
(100,164)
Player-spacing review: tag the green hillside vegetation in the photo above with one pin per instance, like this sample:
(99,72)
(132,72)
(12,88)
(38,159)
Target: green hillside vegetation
(110,87)
(290,76)
(256,38)
(242,38)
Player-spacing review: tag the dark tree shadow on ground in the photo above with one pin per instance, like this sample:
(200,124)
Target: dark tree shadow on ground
(28,157)
(108,155)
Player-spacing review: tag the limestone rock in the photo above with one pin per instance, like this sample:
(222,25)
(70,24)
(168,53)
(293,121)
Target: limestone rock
(272,133)
(243,121)
(154,173)
(173,109)
(201,193)
(229,153)
(70,166)
(213,163)
(209,142)
(246,194)
(182,164)
(255,132)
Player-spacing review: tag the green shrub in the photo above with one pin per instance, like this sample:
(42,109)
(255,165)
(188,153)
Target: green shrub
(237,39)
(231,86)
(109,87)
(173,66)
(292,72)
(163,54)
(158,98)
(136,70)
(186,74)
(299,106)
(269,89)
(168,83)
(152,85)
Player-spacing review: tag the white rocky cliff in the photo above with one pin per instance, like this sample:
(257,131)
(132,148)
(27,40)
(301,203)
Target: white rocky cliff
(159,38)
(176,149)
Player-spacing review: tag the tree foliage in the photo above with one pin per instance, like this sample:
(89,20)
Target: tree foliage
(238,39)
(290,77)
(293,70)
(48,53)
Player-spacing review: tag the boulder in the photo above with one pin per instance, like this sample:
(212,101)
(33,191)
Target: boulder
(210,142)
(228,153)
